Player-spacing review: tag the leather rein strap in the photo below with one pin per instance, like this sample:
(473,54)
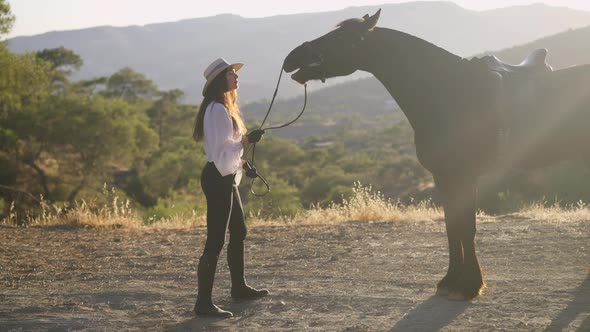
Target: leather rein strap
(251,171)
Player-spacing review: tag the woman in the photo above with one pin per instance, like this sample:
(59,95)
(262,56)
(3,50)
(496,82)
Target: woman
(220,125)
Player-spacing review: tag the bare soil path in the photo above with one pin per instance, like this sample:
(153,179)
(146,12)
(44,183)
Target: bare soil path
(354,276)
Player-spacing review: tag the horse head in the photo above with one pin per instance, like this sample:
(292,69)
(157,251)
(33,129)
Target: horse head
(332,54)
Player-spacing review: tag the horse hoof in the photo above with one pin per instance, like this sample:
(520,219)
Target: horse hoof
(464,296)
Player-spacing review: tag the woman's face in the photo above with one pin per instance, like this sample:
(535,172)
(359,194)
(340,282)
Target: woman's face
(232,79)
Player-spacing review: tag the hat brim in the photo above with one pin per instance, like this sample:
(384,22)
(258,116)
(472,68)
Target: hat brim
(234,66)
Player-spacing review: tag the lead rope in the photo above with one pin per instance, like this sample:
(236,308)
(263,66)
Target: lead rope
(251,171)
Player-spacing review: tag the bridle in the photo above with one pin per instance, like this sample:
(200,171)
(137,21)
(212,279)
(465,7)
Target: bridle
(317,58)
(252,172)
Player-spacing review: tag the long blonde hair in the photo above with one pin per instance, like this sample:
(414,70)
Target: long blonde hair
(218,92)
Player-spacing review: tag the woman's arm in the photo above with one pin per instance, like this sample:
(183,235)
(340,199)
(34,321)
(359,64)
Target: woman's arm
(219,136)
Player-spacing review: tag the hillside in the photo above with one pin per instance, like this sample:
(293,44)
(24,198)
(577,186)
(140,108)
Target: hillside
(174,54)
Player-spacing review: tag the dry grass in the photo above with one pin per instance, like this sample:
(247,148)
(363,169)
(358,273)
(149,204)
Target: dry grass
(81,214)
(365,205)
(556,213)
(369,206)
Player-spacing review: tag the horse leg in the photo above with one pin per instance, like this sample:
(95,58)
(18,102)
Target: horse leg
(449,281)
(464,279)
(470,283)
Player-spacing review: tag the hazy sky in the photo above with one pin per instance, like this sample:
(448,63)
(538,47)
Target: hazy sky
(38,16)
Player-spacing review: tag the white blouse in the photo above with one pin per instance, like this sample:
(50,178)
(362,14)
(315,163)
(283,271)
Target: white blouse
(223,145)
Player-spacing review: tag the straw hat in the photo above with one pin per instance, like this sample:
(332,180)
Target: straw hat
(217,67)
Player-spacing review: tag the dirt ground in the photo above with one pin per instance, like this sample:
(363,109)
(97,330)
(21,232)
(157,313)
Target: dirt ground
(355,276)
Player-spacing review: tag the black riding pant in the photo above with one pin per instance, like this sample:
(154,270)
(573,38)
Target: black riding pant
(224,210)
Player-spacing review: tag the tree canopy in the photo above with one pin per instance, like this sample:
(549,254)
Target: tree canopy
(6,18)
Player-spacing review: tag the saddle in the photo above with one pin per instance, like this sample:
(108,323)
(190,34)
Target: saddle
(534,64)
(519,82)
(519,91)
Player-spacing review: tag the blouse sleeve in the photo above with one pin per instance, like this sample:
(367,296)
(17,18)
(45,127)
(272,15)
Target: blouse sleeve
(219,134)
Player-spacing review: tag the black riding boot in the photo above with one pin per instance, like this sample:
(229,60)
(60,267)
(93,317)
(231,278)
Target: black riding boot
(205,276)
(239,289)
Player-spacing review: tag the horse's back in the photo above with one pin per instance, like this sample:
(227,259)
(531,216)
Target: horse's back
(565,92)
(574,78)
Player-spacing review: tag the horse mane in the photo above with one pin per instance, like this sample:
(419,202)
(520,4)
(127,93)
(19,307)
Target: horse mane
(349,22)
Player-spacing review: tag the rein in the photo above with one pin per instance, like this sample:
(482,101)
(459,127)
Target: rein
(251,171)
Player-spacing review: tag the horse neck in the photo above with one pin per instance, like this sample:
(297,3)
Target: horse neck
(408,67)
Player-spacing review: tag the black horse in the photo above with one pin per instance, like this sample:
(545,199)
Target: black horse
(462,111)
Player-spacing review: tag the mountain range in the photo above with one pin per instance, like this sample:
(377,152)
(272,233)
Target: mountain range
(175,54)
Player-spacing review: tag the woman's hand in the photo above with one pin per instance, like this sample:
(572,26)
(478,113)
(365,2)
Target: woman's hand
(245,141)
(255,135)
(252,137)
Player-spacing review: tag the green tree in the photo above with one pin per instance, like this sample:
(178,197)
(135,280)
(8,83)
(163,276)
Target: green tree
(24,83)
(172,177)
(319,188)
(130,85)
(6,18)
(173,167)
(169,118)
(84,137)
(60,143)
(63,61)
(89,87)
(282,200)
(61,58)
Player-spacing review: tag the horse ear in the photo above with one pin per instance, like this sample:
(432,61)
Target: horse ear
(371,21)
